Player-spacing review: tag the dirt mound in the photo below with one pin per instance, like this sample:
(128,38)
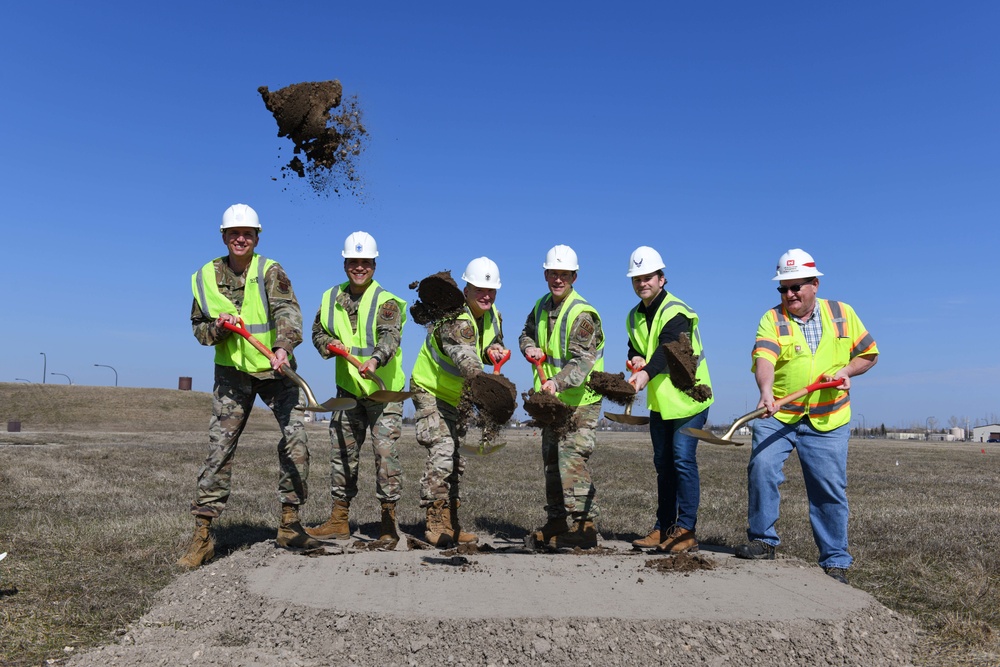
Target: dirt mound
(683,366)
(438,296)
(329,143)
(612,386)
(681,563)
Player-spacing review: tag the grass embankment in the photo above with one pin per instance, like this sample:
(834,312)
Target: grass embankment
(96,498)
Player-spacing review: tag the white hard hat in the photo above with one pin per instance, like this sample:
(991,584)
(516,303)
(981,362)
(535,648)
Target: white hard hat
(796,263)
(561,258)
(644,260)
(482,272)
(240,215)
(360,244)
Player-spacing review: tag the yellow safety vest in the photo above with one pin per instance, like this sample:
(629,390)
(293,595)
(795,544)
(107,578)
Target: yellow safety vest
(361,343)
(234,350)
(437,373)
(781,341)
(555,345)
(661,394)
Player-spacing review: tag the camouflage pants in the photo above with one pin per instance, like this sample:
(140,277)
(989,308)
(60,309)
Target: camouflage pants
(437,430)
(232,400)
(569,489)
(347,435)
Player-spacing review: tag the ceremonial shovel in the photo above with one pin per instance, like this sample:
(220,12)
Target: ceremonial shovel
(332,405)
(380,395)
(627,418)
(487,448)
(710,437)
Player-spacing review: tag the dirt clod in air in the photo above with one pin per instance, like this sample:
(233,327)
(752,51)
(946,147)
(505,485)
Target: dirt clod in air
(612,386)
(683,367)
(326,144)
(438,297)
(683,562)
(548,411)
(494,398)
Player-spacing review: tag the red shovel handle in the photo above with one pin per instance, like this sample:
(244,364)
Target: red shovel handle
(341,352)
(806,390)
(498,360)
(241,329)
(538,367)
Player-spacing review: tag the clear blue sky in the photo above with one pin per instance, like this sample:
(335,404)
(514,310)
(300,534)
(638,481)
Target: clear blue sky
(721,134)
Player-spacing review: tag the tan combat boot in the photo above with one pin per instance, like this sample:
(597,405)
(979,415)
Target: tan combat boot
(438,532)
(678,540)
(336,527)
(551,529)
(457,533)
(650,541)
(583,535)
(202,548)
(290,532)
(387,527)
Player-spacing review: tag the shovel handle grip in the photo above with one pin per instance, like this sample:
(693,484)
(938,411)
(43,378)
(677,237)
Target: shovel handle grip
(538,367)
(341,352)
(498,361)
(806,390)
(242,331)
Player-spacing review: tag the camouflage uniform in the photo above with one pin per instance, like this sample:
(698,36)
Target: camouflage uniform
(384,420)
(438,423)
(569,488)
(235,391)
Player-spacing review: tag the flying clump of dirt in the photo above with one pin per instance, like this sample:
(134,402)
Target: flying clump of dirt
(612,386)
(683,366)
(548,411)
(327,144)
(494,398)
(438,297)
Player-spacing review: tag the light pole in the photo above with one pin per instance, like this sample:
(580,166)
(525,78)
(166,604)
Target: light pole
(112,369)
(45,361)
(22,380)
(64,375)
(864,426)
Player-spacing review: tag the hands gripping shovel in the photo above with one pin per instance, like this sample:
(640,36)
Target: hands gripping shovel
(380,395)
(332,405)
(727,439)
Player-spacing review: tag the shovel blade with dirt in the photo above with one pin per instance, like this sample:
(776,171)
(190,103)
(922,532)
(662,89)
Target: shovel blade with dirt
(727,438)
(380,395)
(617,390)
(312,405)
(495,390)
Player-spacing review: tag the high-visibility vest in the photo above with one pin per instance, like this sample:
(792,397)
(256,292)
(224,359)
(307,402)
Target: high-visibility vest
(555,345)
(234,350)
(437,373)
(661,394)
(781,341)
(361,343)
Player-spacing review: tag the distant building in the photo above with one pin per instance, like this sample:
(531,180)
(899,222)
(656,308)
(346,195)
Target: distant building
(990,432)
(896,435)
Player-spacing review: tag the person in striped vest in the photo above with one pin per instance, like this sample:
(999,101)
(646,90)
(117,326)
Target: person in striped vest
(803,339)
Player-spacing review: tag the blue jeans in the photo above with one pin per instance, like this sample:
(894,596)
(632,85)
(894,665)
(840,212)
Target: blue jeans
(823,455)
(675,457)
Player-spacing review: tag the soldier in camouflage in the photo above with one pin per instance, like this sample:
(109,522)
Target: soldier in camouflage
(245,285)
(453,352)
(359,316)
(564,331)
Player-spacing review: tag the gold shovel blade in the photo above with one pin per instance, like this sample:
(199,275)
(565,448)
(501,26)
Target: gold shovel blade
(708,436)
(626,419)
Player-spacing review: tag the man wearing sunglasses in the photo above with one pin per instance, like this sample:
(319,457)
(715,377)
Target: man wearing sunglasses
(799,341)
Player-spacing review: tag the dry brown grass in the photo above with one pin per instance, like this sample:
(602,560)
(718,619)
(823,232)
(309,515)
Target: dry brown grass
(94,514)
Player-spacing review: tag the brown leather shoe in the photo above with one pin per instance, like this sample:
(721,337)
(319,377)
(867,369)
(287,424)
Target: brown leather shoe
(678,540)
(650,541)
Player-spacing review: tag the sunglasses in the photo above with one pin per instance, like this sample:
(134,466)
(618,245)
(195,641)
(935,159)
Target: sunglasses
(784,289)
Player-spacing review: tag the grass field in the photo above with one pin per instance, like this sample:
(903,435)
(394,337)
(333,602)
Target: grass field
(94,513)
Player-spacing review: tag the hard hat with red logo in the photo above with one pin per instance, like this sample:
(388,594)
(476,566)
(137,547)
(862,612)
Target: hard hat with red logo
(796,263)
(644,260)
(482,272)
(240,215)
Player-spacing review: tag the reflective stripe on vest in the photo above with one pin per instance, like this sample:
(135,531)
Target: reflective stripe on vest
(437,373)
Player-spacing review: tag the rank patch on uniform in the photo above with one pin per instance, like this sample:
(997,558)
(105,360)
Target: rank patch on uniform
(585,331)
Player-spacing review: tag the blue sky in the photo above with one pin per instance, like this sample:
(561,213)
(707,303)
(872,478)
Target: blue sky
(721,134)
